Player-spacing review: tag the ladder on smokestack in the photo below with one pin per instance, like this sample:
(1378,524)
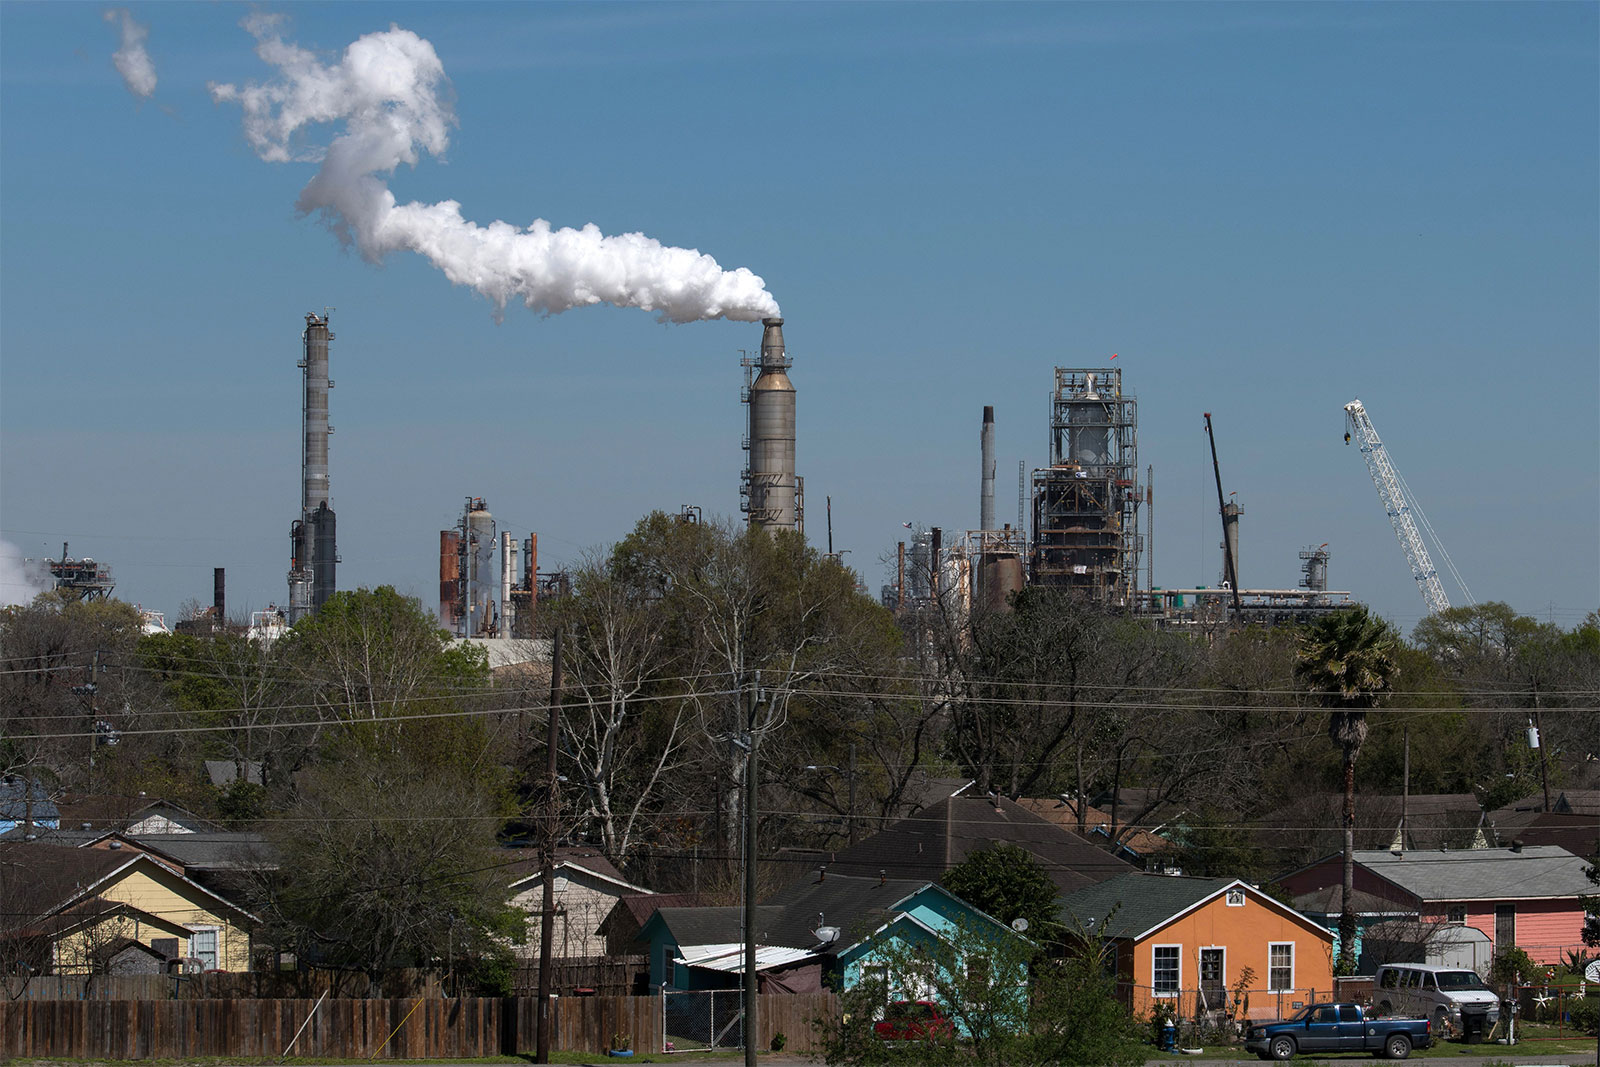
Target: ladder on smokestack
(1400,503)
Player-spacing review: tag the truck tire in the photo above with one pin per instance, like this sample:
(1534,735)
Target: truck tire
(1396,1047)
(1282,1048)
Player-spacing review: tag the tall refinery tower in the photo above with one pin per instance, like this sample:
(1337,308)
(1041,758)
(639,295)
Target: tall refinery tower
(1086,503)
(313,544)
(774,494)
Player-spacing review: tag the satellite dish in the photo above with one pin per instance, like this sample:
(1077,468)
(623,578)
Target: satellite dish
(1019,924)
(1591,973)
(826,935)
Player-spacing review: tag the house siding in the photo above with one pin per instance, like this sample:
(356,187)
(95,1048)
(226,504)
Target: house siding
(581,908)
(1245,934)
(157,891)
(161,893)
(1546,929)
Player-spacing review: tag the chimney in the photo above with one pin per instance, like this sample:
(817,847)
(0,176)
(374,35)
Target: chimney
(883,877)
(219,598)
(1516,844)
(822,874)
(986,485)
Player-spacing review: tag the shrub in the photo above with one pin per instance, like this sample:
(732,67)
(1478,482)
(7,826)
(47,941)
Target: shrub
(1513,965)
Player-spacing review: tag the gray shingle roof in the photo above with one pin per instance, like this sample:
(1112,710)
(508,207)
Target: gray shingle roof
(715,926)
(1538,871)
(1135,902)
(856,906)
(219,851)
(923,846)
(14,794)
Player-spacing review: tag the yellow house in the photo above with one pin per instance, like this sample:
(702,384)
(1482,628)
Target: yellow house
(70,909)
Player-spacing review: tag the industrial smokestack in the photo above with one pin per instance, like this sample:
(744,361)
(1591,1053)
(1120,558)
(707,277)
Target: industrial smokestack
(1230,543)
(774,502)
(311,574)
(986,494)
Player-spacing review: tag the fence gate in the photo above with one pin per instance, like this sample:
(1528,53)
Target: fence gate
(705,1019)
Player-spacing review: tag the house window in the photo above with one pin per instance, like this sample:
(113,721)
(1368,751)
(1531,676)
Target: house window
(203,947)
(978,971)
(1165,971)
(1236,898)
(1457,915)
(1280,967)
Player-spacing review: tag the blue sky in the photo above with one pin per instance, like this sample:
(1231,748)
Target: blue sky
(1264,209)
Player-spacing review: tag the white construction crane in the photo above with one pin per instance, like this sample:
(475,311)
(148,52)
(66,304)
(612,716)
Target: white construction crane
(1400,502)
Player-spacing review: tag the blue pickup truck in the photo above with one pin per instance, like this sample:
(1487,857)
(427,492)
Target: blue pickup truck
(1338,1028)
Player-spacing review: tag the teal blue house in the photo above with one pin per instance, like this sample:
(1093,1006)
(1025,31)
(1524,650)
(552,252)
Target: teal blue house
(824,931)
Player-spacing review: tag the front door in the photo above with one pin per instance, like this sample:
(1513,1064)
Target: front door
(1505,926)
(1212,986)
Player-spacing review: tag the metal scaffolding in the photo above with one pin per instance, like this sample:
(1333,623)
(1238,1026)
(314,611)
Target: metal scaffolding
(1086,503)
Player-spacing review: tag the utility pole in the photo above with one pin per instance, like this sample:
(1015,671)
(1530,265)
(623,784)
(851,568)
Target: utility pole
(547,908)
(751,1001)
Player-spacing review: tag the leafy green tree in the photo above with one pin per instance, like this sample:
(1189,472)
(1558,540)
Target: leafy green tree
(66,671)
(1347,660)
(1008,883)
(389,861)
(1211,844)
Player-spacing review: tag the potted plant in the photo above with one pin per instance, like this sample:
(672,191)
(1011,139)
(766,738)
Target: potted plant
(621,1045)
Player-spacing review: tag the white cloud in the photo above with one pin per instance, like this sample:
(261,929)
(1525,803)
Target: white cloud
(131,60)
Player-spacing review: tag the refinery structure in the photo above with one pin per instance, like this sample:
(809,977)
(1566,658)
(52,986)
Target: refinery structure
(1079,531)
(1084,525)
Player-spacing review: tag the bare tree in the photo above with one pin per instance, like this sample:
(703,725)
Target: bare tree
(625,730)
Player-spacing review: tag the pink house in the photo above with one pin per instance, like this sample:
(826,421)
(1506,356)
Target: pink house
(1524,896)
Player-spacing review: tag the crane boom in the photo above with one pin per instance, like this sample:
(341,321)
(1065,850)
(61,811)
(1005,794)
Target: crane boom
(1391,491)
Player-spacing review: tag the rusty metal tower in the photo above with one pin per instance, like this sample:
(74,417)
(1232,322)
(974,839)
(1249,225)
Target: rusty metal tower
(1086,502)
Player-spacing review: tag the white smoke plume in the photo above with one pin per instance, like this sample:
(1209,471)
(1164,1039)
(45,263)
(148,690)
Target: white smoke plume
(20,580)
(131,60)
(389,90)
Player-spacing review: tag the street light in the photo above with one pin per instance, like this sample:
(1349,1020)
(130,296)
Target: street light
(850,777)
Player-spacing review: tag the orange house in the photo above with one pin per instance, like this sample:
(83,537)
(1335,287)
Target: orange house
(1201,945)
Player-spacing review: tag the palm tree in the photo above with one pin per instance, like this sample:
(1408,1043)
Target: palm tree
(1347,660)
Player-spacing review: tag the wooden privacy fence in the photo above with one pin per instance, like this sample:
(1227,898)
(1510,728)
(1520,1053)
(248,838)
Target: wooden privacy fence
(254,984)
(171,1029)
(421,1028)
